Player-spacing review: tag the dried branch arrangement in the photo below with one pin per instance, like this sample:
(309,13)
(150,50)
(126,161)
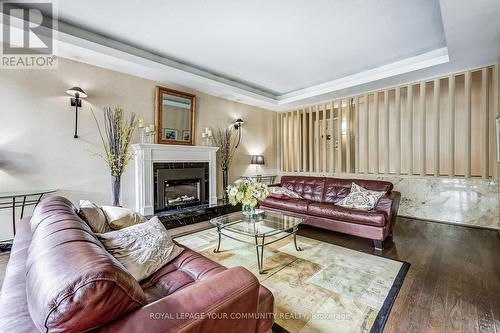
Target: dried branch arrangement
(116,139)
(225,139)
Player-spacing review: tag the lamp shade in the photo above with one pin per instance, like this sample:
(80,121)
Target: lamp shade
(76,90)
(257,160)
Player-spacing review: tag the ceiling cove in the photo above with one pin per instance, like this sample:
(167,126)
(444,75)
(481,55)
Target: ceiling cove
(84,46)
(92,47)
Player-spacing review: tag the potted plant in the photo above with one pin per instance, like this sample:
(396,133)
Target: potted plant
(116,141)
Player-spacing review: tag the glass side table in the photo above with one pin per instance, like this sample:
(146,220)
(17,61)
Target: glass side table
(16,199)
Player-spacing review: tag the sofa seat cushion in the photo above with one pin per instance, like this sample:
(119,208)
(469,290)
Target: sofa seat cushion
(292,205)
(333,212)
(188,268)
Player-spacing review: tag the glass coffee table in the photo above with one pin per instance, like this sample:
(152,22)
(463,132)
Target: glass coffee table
(259,228)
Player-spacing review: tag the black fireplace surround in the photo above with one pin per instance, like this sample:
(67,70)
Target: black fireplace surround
(180,184)
(172,181)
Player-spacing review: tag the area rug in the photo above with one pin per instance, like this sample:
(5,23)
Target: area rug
(323,288)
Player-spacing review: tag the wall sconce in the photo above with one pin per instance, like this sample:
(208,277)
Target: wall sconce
(77,94)
(237,126)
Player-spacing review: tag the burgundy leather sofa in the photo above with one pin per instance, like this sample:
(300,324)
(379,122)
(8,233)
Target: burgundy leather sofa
(61,279)
(319,195)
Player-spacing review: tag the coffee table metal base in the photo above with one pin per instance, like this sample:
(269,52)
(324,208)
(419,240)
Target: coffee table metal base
(259,243)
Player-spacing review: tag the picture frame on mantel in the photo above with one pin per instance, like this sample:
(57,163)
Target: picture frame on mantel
(174,113)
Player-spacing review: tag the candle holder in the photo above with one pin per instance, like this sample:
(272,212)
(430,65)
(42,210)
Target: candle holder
(206,137)
(140,127)
(147,134)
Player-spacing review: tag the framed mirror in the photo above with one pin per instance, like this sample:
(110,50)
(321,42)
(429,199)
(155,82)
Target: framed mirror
(174,117)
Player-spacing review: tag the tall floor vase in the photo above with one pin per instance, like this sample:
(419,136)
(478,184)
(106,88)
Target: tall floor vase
(116,190)
(225,183)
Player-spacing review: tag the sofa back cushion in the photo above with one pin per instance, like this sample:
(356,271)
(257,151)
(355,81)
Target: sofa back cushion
(321,189)
(310,188)
(73,284)
(338,188)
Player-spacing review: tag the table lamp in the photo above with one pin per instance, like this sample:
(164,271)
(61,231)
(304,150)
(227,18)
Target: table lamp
(257,160)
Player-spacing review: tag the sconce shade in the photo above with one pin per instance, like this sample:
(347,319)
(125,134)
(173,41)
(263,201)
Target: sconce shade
(238,123)
(76,90)
(257,160)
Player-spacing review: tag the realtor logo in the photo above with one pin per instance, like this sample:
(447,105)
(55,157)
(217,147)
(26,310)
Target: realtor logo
(27,35)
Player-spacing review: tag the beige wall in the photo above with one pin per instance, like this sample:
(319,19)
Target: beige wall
(37,148)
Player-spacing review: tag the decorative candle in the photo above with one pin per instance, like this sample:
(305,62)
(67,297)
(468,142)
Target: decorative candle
(209,132)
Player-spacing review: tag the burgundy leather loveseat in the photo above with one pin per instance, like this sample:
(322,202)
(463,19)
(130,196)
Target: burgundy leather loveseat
(61,279)
(319,195)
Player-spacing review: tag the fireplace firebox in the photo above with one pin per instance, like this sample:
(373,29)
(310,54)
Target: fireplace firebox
(181,192)
(180,185)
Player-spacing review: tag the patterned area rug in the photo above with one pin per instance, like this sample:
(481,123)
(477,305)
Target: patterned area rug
(323,288)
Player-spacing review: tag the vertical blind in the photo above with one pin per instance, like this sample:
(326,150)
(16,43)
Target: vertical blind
(437,127)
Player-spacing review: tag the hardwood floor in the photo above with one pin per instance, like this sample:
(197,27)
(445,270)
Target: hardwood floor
(453,284)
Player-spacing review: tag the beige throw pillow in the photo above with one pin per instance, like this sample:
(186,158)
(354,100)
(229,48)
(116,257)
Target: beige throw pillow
(283,193)
(142,248)
(119,218)
(94,216)
(360,198)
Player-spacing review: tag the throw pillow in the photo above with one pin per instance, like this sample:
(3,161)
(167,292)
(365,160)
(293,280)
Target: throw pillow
(94,216)
(283,193)
(119,218)
(142,248)
(360,198)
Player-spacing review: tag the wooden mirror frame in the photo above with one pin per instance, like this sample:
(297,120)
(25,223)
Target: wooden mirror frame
(158,115)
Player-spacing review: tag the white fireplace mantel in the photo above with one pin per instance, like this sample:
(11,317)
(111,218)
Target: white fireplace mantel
(147,154)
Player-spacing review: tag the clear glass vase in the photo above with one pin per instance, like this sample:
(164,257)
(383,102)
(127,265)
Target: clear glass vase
(249,211)
(225,183)
(116,190)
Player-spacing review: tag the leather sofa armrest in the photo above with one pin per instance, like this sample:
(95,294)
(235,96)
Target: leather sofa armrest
(389,205)
(217,304)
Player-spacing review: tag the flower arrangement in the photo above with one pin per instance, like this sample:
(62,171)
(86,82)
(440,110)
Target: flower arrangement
(116,143)
(248,192)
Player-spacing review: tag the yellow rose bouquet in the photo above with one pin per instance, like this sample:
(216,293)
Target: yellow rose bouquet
(248,192)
